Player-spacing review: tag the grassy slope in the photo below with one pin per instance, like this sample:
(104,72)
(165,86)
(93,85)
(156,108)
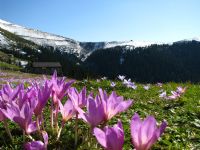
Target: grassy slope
(7,66)
(182,115)
(4,57)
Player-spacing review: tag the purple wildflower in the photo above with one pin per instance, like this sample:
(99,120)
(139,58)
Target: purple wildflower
(145,133)
(111,138)
(113,104)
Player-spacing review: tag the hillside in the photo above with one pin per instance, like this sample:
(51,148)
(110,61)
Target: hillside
(80,49)
(181,114)
(141,61)
(157,63)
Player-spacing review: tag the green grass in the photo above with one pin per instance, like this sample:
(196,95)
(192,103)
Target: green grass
(4,57)
(7,66)
(182,115)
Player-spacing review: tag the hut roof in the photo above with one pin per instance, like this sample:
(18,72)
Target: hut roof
(46,64)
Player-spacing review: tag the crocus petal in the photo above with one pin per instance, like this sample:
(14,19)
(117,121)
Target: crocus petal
(113,104)
(100,136)
(157,133)
(111,138)
(122,106)
(95,111)
(145,133)
(82,114)
(147,130)
(135,128)
(45,137)
(35,145)
(78,99)
(67,110)
(162,127)
(118,129)
(103,94)
(43,94)
(32,127)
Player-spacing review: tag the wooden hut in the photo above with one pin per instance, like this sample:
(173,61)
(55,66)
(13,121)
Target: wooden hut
(47,67)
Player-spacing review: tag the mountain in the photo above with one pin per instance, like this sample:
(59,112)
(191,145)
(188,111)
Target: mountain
(141,61)
(80,49)
(42,38)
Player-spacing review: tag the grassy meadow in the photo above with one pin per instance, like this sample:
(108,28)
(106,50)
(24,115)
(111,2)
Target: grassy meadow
(182,116)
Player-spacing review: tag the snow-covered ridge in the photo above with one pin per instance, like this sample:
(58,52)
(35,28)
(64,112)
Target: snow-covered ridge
(128,43)
(80,49)
(83,49)
(26,32)
(43,38)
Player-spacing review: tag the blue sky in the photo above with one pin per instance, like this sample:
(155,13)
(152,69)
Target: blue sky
(108,20)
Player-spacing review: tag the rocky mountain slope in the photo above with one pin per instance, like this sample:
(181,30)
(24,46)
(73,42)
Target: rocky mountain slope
(80,49)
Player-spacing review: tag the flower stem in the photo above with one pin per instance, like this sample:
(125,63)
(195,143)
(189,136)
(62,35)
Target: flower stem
(104,124)
(59,132)
(30,137)
(90,137)
(23,136)
(52,114)
(42,118)
(38,122)
(8,130)
(76,131)
(56,117)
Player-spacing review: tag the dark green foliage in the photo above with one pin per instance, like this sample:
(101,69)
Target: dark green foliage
(156,63)
(70,63)
(178,62)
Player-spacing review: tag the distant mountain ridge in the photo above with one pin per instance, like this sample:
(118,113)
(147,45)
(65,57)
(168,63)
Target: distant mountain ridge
(141,61)
(80,49)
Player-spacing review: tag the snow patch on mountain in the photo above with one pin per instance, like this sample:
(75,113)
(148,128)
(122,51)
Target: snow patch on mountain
(4,42)
(43,38)
(5,22)
(128,43)
(80,49)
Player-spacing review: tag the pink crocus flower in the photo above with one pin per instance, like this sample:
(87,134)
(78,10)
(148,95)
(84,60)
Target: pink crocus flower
(26,96)
(67,110)
(78,99)
(23,116)
(111,138)
(38,145)
(2,106)
(121,77)
(59,87)
(42,96)
(174,95)
(163,94)
(181,90)
(129,84)
(159,84)
(95,112)
(9,94)
(113,84)
(146,87)
(145,133)
(113,104)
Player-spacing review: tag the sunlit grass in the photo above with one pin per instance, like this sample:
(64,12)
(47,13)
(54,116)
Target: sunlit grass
(182,116)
